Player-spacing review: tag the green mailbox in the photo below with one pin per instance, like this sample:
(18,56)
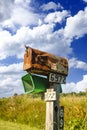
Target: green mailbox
(35,84)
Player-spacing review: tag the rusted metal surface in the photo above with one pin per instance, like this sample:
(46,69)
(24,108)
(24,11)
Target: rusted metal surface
(36,61)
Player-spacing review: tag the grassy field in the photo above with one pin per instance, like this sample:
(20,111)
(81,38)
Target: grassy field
(75,112)
(26,112)
(7,125)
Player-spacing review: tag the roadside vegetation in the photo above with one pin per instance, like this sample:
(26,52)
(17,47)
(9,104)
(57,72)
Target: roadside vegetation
(28,112)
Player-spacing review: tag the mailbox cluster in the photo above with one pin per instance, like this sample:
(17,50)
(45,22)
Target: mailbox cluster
(43,63)
(56,69)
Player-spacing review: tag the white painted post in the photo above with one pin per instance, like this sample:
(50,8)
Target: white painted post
(50,97)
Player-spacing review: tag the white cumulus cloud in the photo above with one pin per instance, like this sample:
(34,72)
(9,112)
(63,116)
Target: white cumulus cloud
(74,63)
(40,37)
(5,9)
(10,79)
(51,5)
(85,0)
(76,26)
(18,13)
(76,87)
(56,17)
(13,68)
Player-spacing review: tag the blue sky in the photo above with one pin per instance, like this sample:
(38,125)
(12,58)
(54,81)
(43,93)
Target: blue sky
(58,27)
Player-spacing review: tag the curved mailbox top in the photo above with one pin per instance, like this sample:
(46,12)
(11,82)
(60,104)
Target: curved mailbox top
(39,62)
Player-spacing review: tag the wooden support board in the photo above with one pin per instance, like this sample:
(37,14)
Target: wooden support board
(50,97)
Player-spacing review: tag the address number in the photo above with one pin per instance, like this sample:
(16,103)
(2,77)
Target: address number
(56,78)
(50,96)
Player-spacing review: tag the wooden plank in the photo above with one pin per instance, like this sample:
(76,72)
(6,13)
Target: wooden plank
(50,97)
(49,115)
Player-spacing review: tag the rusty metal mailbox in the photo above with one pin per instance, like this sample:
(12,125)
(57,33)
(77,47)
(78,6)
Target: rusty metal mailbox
(39,62)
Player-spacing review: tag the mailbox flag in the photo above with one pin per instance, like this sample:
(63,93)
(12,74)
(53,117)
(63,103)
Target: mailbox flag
(35,84)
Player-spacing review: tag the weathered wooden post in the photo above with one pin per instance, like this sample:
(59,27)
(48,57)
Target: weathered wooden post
(56,106)
(56,80)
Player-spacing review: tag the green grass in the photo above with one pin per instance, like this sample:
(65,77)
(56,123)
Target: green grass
(25,112)
(75,115)
(7,125)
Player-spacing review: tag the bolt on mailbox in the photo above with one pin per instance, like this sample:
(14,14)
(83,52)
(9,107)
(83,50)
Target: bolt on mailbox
(39,62)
